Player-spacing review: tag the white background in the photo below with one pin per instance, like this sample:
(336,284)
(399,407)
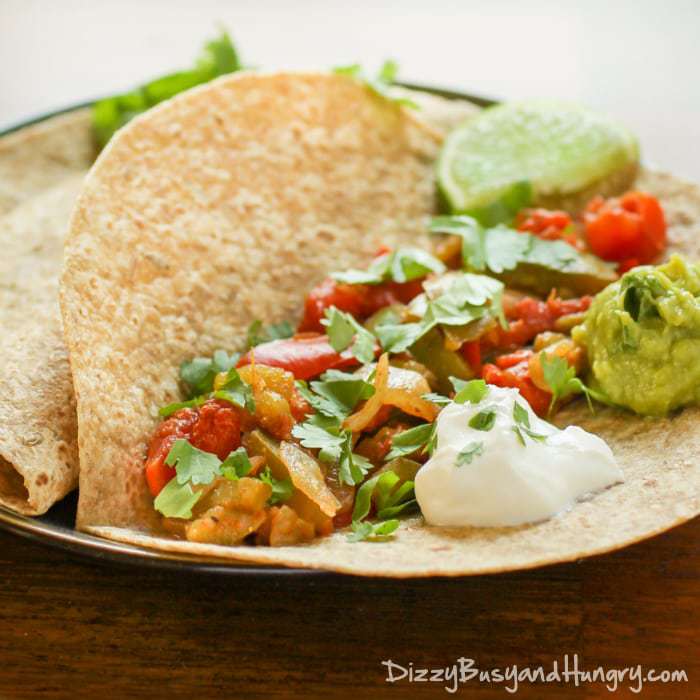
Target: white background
(637,60)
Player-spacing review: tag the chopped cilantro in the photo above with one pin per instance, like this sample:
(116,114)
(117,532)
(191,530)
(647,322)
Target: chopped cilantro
(483,420)
(315,437)
(337,393)
(192,464)
(562,380)
(522,425)
(236,465)
(345,332)
(411,440)
(403,265)
(380,83)
(236,391)
(389,501)
(437,399)
(353,467)
(258,334)
(171,408)
(501,248)
(468,298)
(282,489)
(468,452)
(473,391)
(199,373)
(363,530)
(176,500)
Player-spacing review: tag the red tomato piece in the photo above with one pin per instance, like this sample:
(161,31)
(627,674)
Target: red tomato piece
(345,297)
(304,356)
(529,317)
(548,224)
(213,427)
(629,230)
(518,377)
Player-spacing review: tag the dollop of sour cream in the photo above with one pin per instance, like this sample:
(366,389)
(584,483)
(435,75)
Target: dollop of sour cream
(502,476)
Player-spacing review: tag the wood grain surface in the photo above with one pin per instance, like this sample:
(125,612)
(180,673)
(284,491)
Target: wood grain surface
(78,628)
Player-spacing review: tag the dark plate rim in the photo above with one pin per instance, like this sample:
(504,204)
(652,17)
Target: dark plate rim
(48,533)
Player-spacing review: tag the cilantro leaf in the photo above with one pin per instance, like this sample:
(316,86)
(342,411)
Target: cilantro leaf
(345,332)
(192,464)
(500,248)
(236,465)
(403,265)
(468,298)
(468,452)
(369,531)
(199,373)
(437,399)
(352,467)
(217,58)
(363,498)
(380,83)
(329,441)
(236,391)
(258,334)
(483,420)
(176,500)
(171,408)
(522,425)
(337,393)
(473,391)
(410,441)
(282,489)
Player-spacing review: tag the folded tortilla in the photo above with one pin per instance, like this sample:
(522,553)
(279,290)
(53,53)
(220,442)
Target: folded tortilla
(225,205)
(41,171)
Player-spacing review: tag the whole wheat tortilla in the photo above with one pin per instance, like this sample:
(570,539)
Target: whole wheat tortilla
(225,205)
(41,171)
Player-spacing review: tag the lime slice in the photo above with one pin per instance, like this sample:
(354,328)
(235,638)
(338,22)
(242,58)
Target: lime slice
(562,149)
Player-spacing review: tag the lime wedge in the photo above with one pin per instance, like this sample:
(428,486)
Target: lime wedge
(562,149)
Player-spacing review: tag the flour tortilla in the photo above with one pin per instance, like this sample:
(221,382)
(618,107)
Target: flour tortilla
(41,171)
(225,205)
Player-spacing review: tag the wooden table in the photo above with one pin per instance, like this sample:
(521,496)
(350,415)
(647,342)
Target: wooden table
(74,628)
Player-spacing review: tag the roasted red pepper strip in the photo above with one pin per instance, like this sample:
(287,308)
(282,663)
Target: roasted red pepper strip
(214,427)
(518,376)
(529,317)
(630,230)
(360,300)
(471,351)
(304,356)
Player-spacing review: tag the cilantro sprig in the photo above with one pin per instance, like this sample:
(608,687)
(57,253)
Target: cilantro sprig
(218,57)
(421,439)
(469,297)
(562,381)
(345,332)
(402,265)
(199,373)
(380,84)
(236,391)
(194,466)
(334,445)
(500,248)
(390,498)
(521,426)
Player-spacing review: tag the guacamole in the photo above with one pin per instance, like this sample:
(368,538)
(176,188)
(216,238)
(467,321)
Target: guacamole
(642,334)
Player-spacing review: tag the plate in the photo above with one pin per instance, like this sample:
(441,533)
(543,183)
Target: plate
(57,527)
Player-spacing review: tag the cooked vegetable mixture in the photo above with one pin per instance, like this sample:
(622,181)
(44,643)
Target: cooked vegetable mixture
(325,427)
